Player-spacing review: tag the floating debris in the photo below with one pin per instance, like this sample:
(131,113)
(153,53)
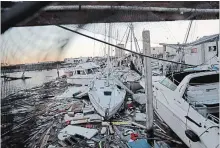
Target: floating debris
(49,116)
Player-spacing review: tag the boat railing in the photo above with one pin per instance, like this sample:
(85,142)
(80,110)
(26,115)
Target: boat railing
(213,118)
(91,84)
(206,111)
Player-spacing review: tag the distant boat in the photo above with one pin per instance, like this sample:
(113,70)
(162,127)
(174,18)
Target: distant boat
(83,73)
(106,96)
(68,72)
(8,78)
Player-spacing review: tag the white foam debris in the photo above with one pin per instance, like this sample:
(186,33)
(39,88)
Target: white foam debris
(71,130)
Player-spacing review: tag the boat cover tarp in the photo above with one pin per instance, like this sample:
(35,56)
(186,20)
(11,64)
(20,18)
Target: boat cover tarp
(204,94)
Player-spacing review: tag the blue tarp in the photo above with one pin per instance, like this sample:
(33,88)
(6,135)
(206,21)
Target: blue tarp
(140,143)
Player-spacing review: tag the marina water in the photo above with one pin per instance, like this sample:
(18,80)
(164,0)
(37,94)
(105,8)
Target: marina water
(37,78)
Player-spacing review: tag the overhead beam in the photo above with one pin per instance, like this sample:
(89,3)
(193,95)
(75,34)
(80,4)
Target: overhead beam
(123,11)
(112,16)
(128,8)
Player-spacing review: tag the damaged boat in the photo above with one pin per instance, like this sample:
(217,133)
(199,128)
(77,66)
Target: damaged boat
(106,96)
(83,74)
(189,103)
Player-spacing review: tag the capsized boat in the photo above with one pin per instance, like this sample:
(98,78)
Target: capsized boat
(106,95)
(189,104)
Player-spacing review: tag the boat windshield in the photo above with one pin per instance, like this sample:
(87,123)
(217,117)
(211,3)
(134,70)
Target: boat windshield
(80,72)
(95,69)
(168,83)
(89,71)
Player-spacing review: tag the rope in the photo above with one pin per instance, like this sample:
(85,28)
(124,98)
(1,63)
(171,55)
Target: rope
(65,28)
(124,35)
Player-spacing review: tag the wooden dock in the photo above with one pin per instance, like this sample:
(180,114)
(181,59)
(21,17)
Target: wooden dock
(8,78)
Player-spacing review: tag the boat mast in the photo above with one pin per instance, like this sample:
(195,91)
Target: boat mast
(148,83)
(108,60)
(105,41)
(185,41)
(131,27)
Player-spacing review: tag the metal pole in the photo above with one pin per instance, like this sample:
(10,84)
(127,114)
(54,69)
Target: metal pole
(217,48)
(108,59)
(105,41)
(164,57)
(148,83)
(131,35)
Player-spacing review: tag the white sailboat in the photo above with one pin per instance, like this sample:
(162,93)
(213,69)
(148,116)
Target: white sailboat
(105,93)
(188,102)
(106,96)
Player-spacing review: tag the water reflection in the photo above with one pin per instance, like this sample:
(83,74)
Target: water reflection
(37,78)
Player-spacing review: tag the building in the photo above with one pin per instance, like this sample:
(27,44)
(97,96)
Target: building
(202,51)
(119,52)
(76,60)
(157,51)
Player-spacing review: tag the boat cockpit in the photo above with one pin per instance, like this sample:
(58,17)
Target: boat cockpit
(201,92)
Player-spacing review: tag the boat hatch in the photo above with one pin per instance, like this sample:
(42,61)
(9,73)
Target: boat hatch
(119,87)
(107,93)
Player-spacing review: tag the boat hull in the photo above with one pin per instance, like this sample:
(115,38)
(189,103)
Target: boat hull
(106,99)
(175,119)
(102,111)
(68,73)
(80,81)
(175,123)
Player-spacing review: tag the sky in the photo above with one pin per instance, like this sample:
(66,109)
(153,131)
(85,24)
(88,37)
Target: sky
(21,45)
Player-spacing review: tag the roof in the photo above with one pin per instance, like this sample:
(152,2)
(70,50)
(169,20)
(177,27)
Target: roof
(204,39)
(87,65)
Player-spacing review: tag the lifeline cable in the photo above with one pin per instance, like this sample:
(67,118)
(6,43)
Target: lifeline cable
(121,47)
